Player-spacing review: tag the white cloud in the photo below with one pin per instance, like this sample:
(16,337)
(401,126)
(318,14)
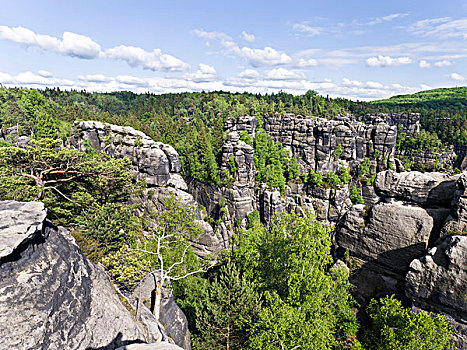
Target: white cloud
(201,33)
(264,57)
(443,63)
(387,61)
(374,85)
(205,73)
(424,64)
(80,46)
(283,74)
(307,29)
(457,77)
(137,57)
(348,82)
(249,74)
(70,44)
(309,62)
(245,81)
(387,18)
(247,37)
(441,28)
(94,78)
(44,73)
(29,79)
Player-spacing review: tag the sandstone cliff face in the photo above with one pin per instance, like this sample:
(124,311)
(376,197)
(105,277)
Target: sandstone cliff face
(313,141)
(51,296)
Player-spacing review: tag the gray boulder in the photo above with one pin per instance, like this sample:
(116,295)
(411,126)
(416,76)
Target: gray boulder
(20,224)
(390,235)
(172,317)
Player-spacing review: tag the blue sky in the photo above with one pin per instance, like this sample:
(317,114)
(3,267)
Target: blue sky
(358,49)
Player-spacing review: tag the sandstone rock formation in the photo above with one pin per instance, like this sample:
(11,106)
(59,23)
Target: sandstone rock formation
(388,234)
(437,282)
(51,296)
(155,162)
(417,187)
(313,141)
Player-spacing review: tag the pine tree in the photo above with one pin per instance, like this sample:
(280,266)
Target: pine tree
(230,308)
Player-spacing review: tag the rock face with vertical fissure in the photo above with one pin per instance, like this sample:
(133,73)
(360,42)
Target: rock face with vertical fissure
(51,296)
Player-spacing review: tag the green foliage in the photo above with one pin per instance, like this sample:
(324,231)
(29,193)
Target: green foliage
(67,180)
(253,219)
(245,137)
(315,179)
(395,327)
(110,225)
(230,308)
(272,161)
(333,180)
(338,151)
(305,303)
(355,195)
(232,165)
(345,176)
(376,153)
(163,244)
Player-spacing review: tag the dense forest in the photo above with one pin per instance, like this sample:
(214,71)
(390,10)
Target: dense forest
(278,287)
(194,122)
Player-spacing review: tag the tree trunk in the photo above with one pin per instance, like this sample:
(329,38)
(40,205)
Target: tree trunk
(157,307)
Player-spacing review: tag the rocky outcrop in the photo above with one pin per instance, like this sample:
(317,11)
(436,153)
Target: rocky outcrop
(437,282)
(421,188)
(407,218)
(313,141)
(51,296)
(154,162)
(407,122)
(387,236)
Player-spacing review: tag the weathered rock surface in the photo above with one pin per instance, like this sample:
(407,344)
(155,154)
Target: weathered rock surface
(408,122)
(19,224)
(437,282)
(387,235)
(457,222)
(52,297)
(313,141)
(417,187)
(152,161)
